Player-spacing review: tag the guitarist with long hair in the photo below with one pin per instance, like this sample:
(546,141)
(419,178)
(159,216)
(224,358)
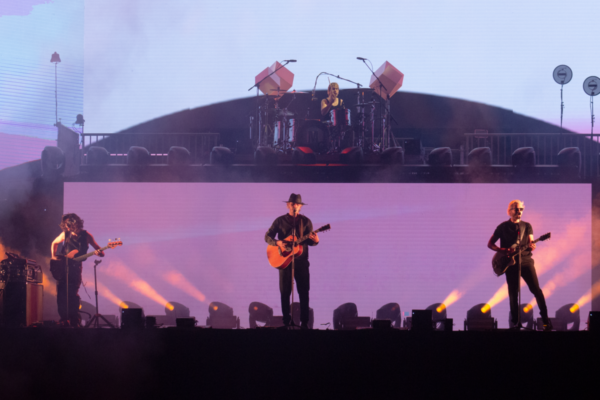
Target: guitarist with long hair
(509,232)
(283,228)
(73,237)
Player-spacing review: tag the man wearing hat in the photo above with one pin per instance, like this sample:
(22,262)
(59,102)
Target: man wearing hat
(283,227)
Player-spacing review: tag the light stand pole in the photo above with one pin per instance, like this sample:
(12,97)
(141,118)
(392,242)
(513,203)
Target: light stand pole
(55,59)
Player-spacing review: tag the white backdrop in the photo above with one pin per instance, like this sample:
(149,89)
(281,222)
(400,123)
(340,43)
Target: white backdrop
(412,244)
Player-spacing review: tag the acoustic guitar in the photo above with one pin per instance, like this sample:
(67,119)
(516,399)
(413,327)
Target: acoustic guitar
(281,259)
(501,261)
(58,267)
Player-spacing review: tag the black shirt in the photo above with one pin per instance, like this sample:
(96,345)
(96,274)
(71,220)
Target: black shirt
(79,243)
(507,232)
(283,226)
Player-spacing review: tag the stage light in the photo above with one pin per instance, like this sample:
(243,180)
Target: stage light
(266,156)
(569,161)
(296,312)
(138,155)
(479,157)
(97,155)
(392,312)
(523,157)
(346,317)
(178,156)
(55,59)
(303,155)
(392,156)
(564,316)
(441,157)
(439,316)
(220,155)
(451,299)
(259,312)
(174,310)
(352,155)
(220,316)
(527,319)
(53,161)
(479,318)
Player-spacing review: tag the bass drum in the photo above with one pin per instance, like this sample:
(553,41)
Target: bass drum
(314,134)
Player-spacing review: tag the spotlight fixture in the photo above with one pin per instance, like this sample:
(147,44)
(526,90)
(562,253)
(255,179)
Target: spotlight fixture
(590,87)
(55,59)
(562,75)
(259,312)
(220,316)
(480,320)
(390,311)
(527,319)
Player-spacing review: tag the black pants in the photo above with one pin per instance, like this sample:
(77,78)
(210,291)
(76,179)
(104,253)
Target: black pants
(530,277)
(302,277)
(72,314)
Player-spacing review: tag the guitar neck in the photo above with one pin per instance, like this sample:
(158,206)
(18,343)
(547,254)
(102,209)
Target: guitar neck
(303,238)
(88,255)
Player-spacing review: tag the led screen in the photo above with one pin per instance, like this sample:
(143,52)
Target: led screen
(414,244)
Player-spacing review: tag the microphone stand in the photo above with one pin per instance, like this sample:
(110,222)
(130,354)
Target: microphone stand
(257,85)
(386,126)
(519,325)
(96,318)
(292,324)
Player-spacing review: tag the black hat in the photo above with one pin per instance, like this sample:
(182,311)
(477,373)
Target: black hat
(295,198)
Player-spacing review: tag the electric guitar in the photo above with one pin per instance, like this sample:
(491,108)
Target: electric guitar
(501,261)
(281,259)
(58,267)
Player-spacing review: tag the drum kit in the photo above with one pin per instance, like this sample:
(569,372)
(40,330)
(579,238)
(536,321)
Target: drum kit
(284,128)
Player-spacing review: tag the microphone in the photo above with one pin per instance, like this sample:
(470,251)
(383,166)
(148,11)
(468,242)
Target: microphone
(289,60)
(360,58)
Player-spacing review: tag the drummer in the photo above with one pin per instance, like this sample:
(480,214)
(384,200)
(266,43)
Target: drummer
(332,101)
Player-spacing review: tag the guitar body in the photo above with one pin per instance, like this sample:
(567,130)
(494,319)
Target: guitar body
(58,266)
(501,262)
(281,259)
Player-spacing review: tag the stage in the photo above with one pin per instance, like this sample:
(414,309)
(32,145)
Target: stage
(270,363)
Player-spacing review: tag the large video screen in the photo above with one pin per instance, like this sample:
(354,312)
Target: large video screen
(412,244)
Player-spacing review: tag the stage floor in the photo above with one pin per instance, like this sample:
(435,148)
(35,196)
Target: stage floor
(268,363)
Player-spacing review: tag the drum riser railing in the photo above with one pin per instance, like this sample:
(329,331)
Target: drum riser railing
(158,145)
(547,147)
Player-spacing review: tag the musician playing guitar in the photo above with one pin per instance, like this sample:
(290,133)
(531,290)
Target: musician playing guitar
(509,232)
(73,237)
(283,227)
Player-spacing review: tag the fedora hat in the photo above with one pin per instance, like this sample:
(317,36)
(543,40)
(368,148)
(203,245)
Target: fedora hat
(295,198)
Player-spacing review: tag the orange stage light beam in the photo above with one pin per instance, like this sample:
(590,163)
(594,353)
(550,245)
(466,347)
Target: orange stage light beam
(586,298)
(179,281)
(110,296)
(452,298)
(118,270)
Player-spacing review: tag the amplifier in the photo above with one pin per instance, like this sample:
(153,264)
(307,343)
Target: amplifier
(20,303)
(17,269)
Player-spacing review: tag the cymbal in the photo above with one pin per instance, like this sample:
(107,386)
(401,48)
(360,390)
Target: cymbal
(366,104)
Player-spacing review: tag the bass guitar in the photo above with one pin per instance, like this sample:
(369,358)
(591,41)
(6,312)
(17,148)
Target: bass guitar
(58,266)
(280,259)
(501,261)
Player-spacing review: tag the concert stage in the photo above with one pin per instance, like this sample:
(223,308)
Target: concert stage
(268,363)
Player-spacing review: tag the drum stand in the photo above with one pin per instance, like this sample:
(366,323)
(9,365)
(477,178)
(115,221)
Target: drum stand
(96,318)
(260,138)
